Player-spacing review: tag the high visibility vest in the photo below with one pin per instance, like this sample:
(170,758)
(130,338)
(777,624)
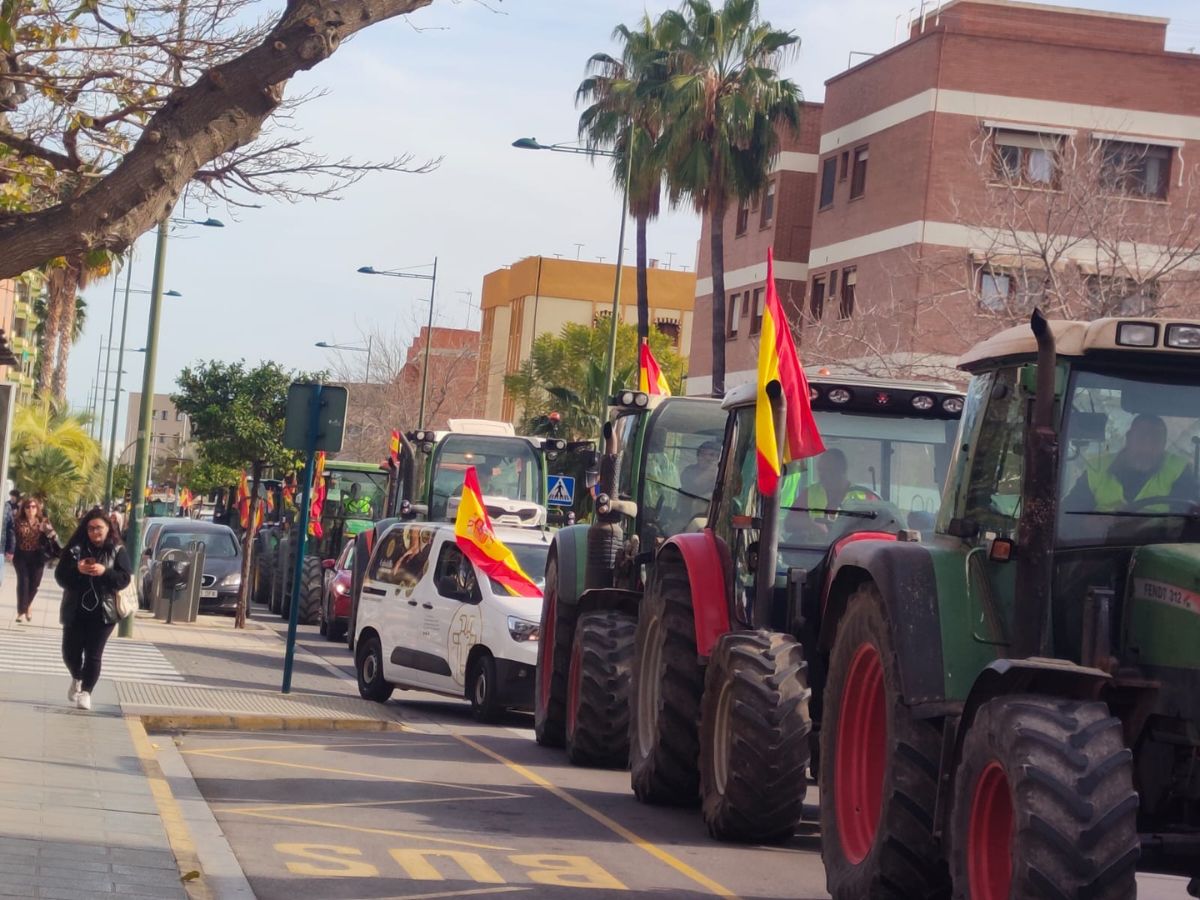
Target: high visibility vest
(818,498)
(1109,495)
(360,506)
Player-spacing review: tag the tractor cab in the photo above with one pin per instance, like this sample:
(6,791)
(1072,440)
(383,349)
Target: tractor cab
(354,500)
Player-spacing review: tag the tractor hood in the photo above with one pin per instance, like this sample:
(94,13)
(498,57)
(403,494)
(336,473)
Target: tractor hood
(1164,605)
(503,511)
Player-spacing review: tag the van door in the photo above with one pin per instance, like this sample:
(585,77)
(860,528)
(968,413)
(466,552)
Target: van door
(450,601)
(408,547)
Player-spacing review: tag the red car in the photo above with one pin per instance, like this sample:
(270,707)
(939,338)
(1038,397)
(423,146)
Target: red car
(335,602)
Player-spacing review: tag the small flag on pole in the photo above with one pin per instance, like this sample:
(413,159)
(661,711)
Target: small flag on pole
(394,446)
(651,379)
(778,361)
(476,538)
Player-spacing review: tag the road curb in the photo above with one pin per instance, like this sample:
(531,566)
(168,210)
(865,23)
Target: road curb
(220,722)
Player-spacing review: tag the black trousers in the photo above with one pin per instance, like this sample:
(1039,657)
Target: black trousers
(30,566)
(83,648)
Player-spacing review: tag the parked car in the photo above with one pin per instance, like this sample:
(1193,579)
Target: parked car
(427,620)
(221,580)
(335,598)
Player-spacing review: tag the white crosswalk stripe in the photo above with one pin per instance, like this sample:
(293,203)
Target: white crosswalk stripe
(34,652)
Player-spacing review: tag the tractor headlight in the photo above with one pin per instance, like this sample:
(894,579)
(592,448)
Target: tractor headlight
(1137,334)
(523,629)
(840,396)
(1183,337)
(953,405)
(922,402)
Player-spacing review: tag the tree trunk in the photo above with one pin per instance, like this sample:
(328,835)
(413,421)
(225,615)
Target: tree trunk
(244,595)
(72,277)
(716,213)
(57,279)
(643,281)
(220,111)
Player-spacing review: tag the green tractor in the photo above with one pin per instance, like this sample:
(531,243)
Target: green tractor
(727,672)
(655,480)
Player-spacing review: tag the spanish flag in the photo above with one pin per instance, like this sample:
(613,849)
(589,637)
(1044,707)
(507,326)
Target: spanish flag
(651,379)
(777,361)
(316,506)
(477,539)
(394,446)
(243,501)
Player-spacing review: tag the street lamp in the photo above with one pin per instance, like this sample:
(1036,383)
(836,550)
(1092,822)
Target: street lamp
(141,466)
(432,279)
(534,144)
(370,341)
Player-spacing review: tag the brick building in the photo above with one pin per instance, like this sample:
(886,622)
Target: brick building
(1005,155)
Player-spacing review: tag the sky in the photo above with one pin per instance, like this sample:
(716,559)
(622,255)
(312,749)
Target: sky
(456,81)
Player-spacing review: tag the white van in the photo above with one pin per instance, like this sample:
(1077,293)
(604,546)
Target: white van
(428,620)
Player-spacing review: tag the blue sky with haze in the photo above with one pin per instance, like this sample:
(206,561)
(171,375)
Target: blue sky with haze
(280,278)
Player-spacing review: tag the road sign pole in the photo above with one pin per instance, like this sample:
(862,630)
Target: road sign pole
(305,502)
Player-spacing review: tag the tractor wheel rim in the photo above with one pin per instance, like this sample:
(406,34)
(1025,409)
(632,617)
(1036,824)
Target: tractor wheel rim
(546,650)
(722,739)
(861,757)
(648,686)
(574,676)
(990,835)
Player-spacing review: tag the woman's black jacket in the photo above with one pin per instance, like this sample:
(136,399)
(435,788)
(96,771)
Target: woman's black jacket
(81,591)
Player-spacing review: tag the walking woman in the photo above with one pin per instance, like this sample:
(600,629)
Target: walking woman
(33,544)
(93,568)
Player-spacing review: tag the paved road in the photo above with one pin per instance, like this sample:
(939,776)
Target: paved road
(450,808)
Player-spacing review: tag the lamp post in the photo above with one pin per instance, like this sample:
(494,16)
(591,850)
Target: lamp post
(432,279)
(533,144)
(141,465)
(370,341)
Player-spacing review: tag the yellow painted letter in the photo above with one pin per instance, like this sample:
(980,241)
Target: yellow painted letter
(416,863)
(330,854)
(567,871)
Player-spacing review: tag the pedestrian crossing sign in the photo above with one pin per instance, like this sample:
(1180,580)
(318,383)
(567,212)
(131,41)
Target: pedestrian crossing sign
(560,490)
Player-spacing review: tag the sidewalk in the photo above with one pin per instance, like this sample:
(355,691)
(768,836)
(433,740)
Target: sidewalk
(85,808)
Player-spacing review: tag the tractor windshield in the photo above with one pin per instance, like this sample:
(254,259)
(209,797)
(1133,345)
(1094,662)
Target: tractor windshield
(877,473)
(354,495)
(681,450)
(507,467)
(1131,459)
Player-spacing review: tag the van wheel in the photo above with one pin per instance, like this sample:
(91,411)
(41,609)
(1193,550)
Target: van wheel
(484,694)
(369,666)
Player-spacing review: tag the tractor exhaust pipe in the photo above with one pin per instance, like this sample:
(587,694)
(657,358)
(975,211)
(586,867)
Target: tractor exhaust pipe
(768,533)
(1039,502)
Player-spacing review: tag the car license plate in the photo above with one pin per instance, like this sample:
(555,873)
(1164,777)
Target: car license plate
(208,593)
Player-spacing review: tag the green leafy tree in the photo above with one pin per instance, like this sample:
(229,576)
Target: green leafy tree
(237,415)
(54,457)
(566,374)
(625,114)
(724,103)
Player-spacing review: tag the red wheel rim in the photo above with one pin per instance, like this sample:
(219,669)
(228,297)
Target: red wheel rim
(546,652)
(989,836)
(861,757)
(573,677)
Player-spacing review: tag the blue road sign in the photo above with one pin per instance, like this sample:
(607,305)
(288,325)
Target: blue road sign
(560,490)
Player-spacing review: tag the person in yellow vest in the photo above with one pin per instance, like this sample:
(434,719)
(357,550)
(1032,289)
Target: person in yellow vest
(831,489)
(356,505)
(1141,470)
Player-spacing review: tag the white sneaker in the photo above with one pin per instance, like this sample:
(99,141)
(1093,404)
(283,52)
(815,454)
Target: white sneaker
(74,690)
(84,700)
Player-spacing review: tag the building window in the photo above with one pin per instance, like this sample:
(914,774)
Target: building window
(164,412)
(1008,291)
(743,217)
(731,316)
(179,416)
(1111,296)
(768,204)
(816,303)
(828,179)
(756,319)
(845,165)
(995,289)
(1027,159)
(1141,170)
(858,177)
(670,328)
(849,281)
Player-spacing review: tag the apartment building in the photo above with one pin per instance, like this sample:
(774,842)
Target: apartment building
(170,429)
(19,324)
(1005,155)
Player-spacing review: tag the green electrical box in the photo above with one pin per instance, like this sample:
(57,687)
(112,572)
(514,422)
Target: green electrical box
(331,417)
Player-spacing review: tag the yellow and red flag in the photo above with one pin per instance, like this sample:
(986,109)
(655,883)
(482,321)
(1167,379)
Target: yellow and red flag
(243,501)
(316,505)
(778,361)
(651,379)
(394,446)
(476,538)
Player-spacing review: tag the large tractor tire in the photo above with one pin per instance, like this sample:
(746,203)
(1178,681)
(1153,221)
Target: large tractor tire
(1044,803)
(754,737)
(879,769)
(598,690)
(665,692)
(264,567)
(312,587)
(554,654)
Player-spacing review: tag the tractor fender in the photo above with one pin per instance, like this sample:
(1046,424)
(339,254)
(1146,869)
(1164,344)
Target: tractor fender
(609,600)
(570,548)
(708,564)
(904,575)
(1035,675)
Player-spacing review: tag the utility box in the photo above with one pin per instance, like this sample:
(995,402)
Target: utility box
(175,587)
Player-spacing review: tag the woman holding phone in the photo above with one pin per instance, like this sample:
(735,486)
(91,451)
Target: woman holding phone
(93,568)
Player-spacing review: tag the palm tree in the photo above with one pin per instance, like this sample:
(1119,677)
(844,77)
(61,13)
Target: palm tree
(625,114)
(724,102)
(54,457)
(62,324)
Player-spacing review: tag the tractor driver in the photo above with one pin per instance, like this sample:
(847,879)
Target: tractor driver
(832,488)
(355,505)
(1143,469)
